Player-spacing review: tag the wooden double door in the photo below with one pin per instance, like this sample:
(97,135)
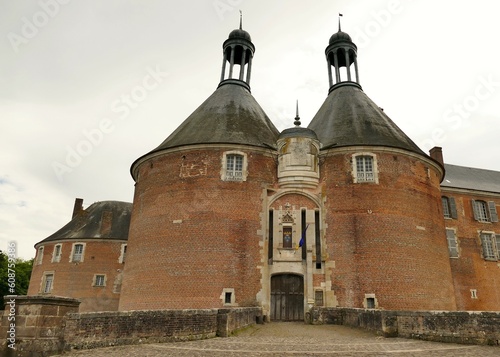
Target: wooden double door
(287,297)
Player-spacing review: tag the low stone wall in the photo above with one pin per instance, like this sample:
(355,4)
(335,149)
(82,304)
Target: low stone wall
(39,326)
(100,329)
(231,320)
(34,325)
(467,327)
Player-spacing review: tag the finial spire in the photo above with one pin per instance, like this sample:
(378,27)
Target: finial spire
(297,118)
(241,20)
(340,15)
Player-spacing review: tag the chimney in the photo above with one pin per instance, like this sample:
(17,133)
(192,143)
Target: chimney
(106,223)
(437,154)
(78,207)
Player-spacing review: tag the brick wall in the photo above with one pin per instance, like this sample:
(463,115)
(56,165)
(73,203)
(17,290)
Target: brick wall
(470,270)
(388,238)
(441,326)
(192,234)
(75,279)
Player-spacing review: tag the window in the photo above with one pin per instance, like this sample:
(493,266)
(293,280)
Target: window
(287,237)
(39,257)
(56,255)
(123,254)
(228,297)
(48,282)
(77,254)
(99,280)
(449,207)
(370,303)
(318,298)
(488,243)
(364,168)
(484,211)
(234,166)
(473,293)
(452,243)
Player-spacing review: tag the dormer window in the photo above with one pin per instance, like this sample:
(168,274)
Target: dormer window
(234,166)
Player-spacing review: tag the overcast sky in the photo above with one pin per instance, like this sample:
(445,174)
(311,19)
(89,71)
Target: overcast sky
(86,87)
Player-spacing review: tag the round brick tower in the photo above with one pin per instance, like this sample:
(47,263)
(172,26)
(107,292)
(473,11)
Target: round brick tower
(197,231)
(85,258)
(384,232)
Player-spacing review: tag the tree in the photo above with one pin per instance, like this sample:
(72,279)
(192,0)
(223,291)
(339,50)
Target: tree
(19,274)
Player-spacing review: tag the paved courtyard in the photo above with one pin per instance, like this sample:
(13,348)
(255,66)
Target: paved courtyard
(296,339)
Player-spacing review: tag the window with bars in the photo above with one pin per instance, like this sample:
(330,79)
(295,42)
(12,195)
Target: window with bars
(452,243)
(99,280)
(77,253)
(234,167)
(449,207)
(489,245)
(484,211)
(364,167)
(48,283)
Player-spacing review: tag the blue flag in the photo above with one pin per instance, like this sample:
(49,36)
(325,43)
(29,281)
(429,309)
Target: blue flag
(303,238)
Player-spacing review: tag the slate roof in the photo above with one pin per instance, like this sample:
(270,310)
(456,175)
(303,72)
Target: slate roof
(231,115)
(349,118)
(471,178)
(87,224)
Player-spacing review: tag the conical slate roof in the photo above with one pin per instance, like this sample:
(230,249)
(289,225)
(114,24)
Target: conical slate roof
(230,115)
(349,118)
(88,223)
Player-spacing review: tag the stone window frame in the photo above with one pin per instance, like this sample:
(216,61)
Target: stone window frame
(484,211)
(97,280)
(244,173)
(473,293)
(233,297)
(449,240)
(449,207)
(354,161)
(123,253)
(72,255)
(375,302)
(43,285)
(56,258)
(39,255)
(319,297)
(489,245)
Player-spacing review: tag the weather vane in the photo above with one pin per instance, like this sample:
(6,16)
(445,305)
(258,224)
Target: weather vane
(241,19)
(340,15)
